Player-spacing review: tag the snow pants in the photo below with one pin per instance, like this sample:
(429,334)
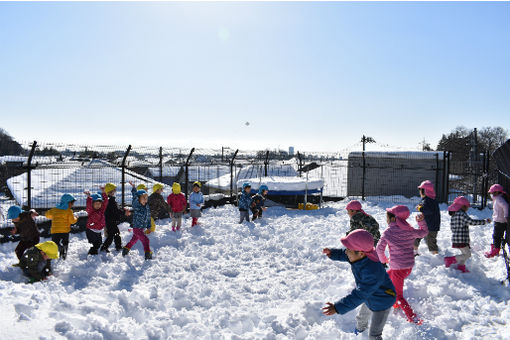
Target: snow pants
(24,245)
(244,214)
(377,322)
(62,241)
(499,231)
(177,220)
(431,240)
(464,256)
(397,276)
(139,235)
(95,239)
(112,234)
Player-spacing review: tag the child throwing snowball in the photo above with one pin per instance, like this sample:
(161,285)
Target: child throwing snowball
(96,206)
(141,224)
(500,217)
(459,224)
(359,219)
(399,237)
(374,290)
(196,199)
(245,203)
(62,218)
(177,203)
(430,209)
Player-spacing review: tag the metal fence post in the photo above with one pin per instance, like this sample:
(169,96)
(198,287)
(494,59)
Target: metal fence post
(448,177)
(186,175)
(123,167)
(29,175)
(266,163)
(436,183)
(232,173)
(161,164)
(300,163)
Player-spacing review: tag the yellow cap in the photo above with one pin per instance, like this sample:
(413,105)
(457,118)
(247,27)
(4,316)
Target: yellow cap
(176,188)
(109,187)
(157,186)
(141,187)
(197,183)
(50,248)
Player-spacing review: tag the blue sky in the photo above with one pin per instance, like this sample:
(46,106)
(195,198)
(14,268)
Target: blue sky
(313,75)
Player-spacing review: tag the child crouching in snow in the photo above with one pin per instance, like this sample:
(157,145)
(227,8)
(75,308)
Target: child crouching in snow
(245,203)
(257,202)
(459,224)
(141,222)
(196,199)
(36,261)
(374,289)
(500,217)
(96,206)
(399,237)
(177,203)
(359,219)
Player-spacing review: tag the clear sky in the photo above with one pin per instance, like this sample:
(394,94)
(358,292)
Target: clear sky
(312,75)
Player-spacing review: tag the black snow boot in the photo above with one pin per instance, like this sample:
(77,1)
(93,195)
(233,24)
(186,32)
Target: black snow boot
(148,255)
(125,251)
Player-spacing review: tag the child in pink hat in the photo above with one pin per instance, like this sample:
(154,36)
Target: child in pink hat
(399,237)
(500,217)
(430,210)
(459,225)
(359,219)
(374,289)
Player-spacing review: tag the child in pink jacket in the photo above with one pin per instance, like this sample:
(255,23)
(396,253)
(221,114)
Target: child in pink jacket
(500,217)
(399,237)
(96,206)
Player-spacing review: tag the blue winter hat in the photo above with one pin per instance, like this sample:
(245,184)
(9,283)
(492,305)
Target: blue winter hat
(263,188)
(65,200)
(14,212)
(246,185)
(141,192)
(96,198)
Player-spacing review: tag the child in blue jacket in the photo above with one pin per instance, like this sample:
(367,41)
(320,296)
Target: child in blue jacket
(245,203)
(141,222)
(196,199)
(374,289)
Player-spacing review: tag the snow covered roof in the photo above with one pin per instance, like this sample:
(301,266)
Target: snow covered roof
(280,183)
(249,172)
(49,184)
(36,159)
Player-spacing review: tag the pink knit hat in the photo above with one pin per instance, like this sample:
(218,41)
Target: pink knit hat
(354,205)
(458,203)
(497,188)
(361,240)
(401,213)
(429,189)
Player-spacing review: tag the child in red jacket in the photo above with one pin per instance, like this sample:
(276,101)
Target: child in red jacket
(96,206)
(177,202)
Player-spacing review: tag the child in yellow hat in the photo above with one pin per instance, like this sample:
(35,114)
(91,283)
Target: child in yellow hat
(159,208)
(177,203)
(36,261)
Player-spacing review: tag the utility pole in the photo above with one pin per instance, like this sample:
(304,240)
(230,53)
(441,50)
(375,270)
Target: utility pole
(364,140)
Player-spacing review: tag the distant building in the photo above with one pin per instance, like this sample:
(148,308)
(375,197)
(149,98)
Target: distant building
(291,151)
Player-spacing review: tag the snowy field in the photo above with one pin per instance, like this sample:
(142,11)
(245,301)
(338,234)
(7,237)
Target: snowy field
(262,280)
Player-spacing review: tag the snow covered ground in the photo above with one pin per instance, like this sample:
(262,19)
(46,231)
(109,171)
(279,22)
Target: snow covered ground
(262,280)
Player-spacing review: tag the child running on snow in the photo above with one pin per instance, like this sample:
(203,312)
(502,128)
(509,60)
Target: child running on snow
(500,217)
(177,203)
(374,290)
(113,217)
(36,261)
(196,199)
(245,203)
(430,209)
(257,202)
(361,220)
(159,208)
(96,206)
(459,224)
(141,224)
(62,218)
(25,226)
(399,237)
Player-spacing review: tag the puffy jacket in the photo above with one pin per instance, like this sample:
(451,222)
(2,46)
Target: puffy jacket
(61,220)
(430,209)
(26,227)
(34,265)
(373,285)
(96,218)
(500,209)
(141,213)
(400,240)
(113,215)
(244,201)
(177,202)
(257,201)
(157,205)
(366,222)
(196,198)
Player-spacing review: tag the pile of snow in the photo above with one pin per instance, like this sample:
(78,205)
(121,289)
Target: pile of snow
(49,184)
(275,183)
(263,280)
